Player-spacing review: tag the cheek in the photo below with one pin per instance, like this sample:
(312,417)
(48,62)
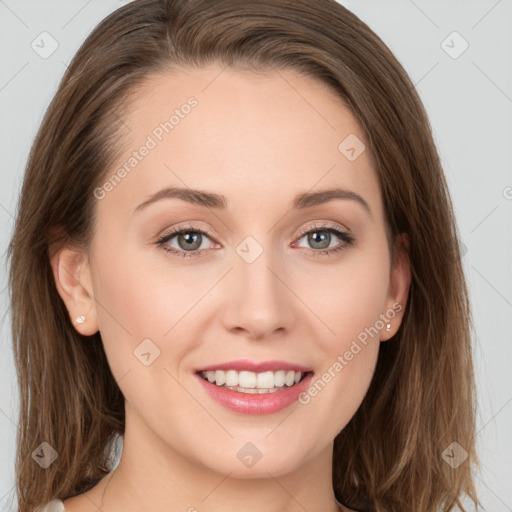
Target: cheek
(141,298)
(347,299)
(348,350)
(127,305)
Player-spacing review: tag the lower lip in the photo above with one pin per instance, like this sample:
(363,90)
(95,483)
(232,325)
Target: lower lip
(256,404)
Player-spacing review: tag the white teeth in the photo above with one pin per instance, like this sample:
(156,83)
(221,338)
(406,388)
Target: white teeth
(247,379)
(265,380)
(290,378)
(251,382)
(279,378)
(231,377)
(220,377)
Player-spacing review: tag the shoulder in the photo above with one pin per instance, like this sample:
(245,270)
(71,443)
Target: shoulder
(85,502)
(79,503)
(52,506)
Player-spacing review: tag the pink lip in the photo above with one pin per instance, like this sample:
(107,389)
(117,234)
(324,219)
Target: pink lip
(257,404)
(256,367)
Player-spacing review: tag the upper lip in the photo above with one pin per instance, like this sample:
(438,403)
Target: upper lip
(255,366)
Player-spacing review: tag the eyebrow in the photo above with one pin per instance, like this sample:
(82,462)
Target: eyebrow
(218,201)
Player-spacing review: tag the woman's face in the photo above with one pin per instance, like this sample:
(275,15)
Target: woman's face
(238,161)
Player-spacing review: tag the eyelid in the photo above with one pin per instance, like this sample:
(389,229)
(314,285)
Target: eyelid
(190,226)
(324,225)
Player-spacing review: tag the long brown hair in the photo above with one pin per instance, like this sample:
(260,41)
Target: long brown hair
(390,455)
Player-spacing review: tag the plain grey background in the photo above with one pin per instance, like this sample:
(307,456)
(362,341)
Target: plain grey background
(468,95)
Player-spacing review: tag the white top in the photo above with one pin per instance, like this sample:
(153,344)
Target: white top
(53,506)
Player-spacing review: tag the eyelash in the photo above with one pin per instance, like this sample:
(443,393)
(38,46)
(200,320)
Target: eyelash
(347,240)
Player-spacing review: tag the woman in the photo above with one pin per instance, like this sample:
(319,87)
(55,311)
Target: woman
(236,250)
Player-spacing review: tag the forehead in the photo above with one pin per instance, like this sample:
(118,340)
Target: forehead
(253,135)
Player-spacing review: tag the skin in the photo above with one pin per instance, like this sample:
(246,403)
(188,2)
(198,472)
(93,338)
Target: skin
(260,139)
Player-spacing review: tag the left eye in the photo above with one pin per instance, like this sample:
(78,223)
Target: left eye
(321,238)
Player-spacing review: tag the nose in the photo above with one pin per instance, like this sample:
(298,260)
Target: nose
(259,301)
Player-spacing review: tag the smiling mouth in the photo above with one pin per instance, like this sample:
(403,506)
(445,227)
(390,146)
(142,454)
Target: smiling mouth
(254,383)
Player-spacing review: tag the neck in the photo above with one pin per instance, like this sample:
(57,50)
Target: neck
(189,485)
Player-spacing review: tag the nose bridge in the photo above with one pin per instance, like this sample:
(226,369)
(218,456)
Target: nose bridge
(259,302)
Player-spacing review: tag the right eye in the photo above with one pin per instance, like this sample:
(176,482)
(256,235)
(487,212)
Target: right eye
(189,239)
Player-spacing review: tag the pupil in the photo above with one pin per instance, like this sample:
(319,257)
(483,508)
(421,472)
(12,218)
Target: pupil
(313,239)
(191,240)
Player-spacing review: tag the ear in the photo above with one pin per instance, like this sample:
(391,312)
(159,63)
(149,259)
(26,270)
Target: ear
(72,275)
(399,283)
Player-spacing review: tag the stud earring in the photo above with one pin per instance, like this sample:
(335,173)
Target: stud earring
(80,319)
(388,327)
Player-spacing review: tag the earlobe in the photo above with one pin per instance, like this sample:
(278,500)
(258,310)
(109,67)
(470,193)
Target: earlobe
(71,272)
(400,281)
